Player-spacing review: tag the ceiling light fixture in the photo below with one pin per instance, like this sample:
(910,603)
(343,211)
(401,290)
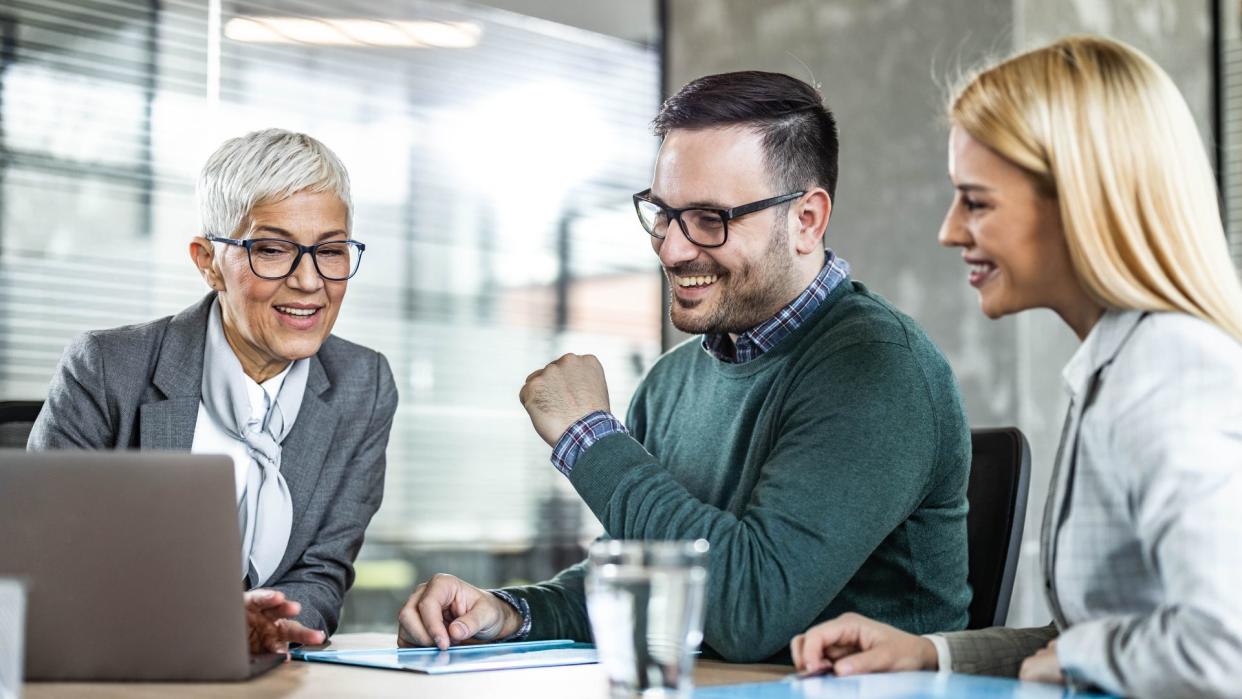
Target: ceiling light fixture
(374,33)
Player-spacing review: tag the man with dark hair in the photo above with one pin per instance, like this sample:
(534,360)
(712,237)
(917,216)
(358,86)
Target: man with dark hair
(813,435)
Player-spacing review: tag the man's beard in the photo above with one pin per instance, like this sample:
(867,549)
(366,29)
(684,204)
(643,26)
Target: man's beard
(752,294)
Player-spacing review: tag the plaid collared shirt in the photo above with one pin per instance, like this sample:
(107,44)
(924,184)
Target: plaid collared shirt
(764,336)
(750,345)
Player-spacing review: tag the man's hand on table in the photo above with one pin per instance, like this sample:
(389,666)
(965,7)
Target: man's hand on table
(448,611)
(270,627)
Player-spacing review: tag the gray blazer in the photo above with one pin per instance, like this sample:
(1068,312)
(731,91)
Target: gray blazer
(139,387)
(1140,539)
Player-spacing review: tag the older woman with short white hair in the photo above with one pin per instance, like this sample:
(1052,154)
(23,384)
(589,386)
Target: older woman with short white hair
(252,371)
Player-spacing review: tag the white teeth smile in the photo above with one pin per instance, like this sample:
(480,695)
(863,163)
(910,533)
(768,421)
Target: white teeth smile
(300,312)
(981,267)
(687,282)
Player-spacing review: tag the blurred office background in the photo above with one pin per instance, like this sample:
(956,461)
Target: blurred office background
(493,148)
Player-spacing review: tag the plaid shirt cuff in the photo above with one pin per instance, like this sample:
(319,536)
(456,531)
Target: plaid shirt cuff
(581,435)
(522,607)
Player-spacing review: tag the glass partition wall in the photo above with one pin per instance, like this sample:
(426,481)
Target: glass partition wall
(492,157)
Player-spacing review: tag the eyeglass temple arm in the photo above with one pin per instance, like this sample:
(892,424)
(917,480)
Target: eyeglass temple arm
(760,205)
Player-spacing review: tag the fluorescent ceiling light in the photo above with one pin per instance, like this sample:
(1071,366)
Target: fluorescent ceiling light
(353,32)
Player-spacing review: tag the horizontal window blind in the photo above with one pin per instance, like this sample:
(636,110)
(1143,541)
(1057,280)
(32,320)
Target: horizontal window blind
(1229,118)
(492,157)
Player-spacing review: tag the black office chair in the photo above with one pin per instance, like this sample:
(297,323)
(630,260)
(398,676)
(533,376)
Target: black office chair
(1000,474)
(16,419)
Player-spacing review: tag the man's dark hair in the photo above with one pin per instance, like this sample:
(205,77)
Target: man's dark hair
(799,133)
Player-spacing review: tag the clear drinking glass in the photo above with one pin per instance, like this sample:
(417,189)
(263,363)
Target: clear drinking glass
(645,600)
(12,636)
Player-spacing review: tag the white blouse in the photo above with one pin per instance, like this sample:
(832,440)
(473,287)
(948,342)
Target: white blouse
(210,437)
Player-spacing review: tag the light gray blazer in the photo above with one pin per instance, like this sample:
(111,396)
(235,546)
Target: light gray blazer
(1142,537)
(139,387)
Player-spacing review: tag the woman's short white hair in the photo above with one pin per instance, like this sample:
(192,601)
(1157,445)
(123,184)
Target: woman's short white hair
(263,167)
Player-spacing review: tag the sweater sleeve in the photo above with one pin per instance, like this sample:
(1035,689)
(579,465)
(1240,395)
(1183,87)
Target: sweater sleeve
(557,608)
(855,449)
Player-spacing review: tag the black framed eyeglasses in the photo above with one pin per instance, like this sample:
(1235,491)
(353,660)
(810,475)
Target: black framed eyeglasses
(277,258)
(704,226)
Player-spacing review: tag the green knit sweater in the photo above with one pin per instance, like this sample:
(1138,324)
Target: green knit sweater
(829,475)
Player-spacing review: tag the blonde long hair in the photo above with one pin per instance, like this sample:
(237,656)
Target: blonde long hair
(1101,127)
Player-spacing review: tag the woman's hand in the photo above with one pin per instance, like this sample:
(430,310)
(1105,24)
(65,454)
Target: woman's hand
(269,626)
(1043,666)
(852,644)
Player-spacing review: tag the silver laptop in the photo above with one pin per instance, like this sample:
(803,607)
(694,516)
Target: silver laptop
(132,565)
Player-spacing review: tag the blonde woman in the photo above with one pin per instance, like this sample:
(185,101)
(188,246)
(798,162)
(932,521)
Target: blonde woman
(1082,186)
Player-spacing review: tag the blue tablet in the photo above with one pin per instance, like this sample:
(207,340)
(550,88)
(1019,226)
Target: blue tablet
(475,658)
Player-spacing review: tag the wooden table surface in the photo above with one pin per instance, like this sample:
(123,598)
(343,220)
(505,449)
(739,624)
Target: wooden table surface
(307,680)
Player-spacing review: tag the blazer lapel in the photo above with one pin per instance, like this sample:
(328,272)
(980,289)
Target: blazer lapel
(168,424)
(1051,502)
(305,450)
(1101,348)
(1058,492)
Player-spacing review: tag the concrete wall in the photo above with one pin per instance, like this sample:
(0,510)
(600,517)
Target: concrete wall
(884,67)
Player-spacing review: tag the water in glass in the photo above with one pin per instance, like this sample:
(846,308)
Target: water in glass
(646,603)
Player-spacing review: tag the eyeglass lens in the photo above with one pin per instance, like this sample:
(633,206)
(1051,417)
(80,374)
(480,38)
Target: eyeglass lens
(703,226)
(274,259)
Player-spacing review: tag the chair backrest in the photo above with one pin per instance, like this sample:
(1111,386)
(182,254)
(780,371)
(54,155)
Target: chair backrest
(1000,474)
(16,419)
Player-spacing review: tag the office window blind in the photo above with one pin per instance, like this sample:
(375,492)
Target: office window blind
(492,157)
(1229,120)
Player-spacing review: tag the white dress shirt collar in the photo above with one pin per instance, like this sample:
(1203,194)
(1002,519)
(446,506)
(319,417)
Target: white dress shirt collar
(1101,346)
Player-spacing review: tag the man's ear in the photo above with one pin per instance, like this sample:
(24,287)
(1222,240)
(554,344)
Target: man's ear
(813,209)
(203,254)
